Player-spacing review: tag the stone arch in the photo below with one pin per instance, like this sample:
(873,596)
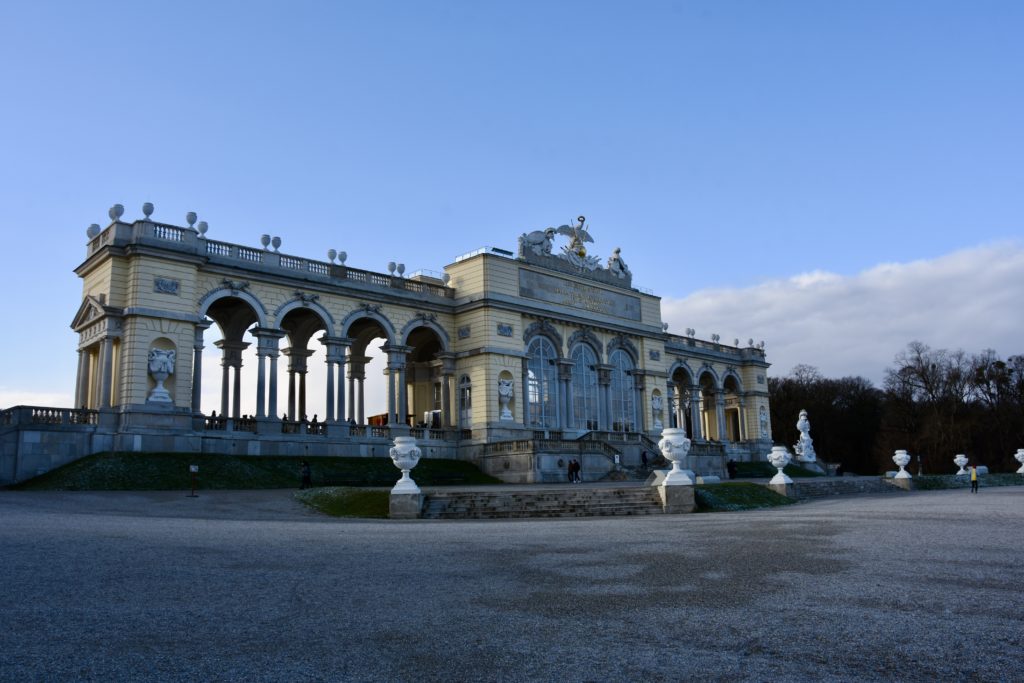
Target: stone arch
(585,336)
(544,328)
(430,323)
(621,342)
(682,366)
(313,306)
(731,374)
(707,369)
(372,313)
(224,292)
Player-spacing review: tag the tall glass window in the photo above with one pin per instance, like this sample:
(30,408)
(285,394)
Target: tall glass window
(623,392)
(542,379)
(465,403)
(584,387)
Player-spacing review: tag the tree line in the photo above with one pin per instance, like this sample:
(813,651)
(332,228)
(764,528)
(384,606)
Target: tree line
(934,403)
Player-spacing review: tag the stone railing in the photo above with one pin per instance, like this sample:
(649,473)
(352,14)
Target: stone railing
(178,238)
(42,415)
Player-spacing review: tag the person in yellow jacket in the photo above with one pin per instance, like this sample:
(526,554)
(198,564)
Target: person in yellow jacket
(974,479)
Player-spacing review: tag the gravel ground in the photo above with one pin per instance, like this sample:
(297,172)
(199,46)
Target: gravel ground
(250,586)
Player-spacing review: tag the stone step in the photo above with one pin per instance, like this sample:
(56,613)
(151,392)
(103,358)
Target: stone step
(819,488)
(561,503)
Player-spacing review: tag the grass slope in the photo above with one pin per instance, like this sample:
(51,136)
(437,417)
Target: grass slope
(347,502)
(169,471)
(736,496)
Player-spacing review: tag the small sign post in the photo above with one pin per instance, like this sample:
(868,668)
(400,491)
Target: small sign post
(193,470)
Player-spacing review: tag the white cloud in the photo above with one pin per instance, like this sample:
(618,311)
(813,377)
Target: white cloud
(14,397)
(854,325)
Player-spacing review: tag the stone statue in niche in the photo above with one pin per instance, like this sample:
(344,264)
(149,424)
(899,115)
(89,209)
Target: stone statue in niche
(656,409)
(538,241)
(616,266)
(504,398)
(763,413)
(161,366)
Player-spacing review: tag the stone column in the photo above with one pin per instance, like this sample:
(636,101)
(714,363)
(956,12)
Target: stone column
(197,366)
(232,358)
(297,358)
(335,357)
(107,366)
(82,383)
(396,375)
(356,375)
(640,403)
(604,382)
(266,347)
(720,415)
(695,420)
(742,436)
(447,376)
(565,366)
(343,346)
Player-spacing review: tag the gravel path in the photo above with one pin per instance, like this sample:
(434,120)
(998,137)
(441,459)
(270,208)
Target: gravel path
(250,586)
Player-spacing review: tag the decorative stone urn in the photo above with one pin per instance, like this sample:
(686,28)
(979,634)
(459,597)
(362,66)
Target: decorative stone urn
(961,462)
(902,459)
(1019,457)
(406,455)
(161,366)
(674,446)
(779,458)
(504,398)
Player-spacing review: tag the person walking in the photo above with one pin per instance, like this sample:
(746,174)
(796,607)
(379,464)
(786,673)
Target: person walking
(974,478)
(570,470)
(307,475)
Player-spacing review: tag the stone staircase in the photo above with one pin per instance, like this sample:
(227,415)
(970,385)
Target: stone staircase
(808,489)
(568,502)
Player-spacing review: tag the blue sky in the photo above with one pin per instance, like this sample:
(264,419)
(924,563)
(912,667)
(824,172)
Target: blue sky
(722,145)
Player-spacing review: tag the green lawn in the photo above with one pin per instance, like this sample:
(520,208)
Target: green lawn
(170,471)
(347,502)
(736,496)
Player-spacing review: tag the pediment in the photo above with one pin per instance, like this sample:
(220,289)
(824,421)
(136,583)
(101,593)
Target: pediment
(91,310)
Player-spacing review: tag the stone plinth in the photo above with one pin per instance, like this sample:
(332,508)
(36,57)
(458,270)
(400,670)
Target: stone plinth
(905,483)
(677,499)
(405,505)
(787,490)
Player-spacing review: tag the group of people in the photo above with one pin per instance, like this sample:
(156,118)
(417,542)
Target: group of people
(574,471)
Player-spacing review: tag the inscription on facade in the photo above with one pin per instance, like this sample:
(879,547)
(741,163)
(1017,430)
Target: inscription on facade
(558,290)
(464,332)
(504,330)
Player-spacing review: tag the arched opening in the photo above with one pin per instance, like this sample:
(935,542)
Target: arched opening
(682,407)
(583,386)
(223,393)
(367,358)
(541,384)
(708,396)
(623,392)
(427,382)
(296,401)
(733,409)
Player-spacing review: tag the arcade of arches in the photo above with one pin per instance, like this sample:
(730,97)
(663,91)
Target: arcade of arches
(496,361)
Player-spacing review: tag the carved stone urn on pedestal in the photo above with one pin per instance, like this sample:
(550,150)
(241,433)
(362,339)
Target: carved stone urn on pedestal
(406,455)
(902,459)
(161,366)
(1019,457)
(674,446)
(961,462)
(779,458)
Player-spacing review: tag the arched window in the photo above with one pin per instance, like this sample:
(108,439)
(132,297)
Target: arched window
(584,387)
(623,393)
(542,379)
(465,403)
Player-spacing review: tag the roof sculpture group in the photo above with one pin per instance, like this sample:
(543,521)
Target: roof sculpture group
(541,242)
